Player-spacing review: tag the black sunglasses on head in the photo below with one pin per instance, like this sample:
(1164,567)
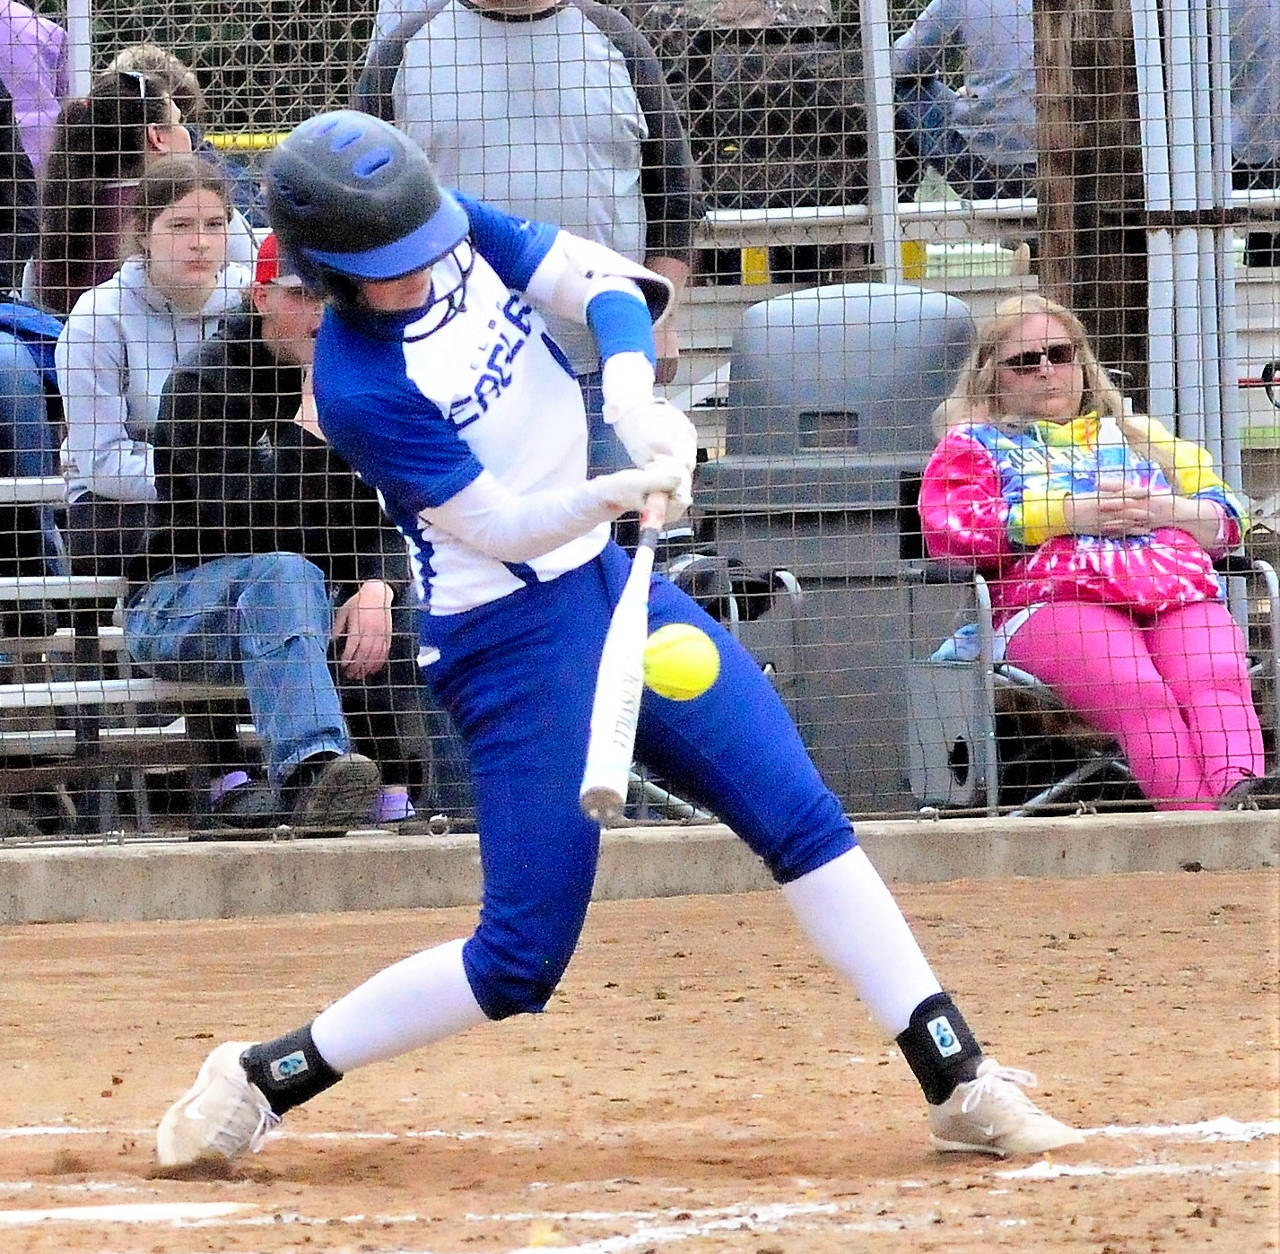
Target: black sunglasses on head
(140,79)
(1054,354)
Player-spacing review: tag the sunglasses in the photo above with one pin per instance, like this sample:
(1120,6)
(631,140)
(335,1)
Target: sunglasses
(1054,354)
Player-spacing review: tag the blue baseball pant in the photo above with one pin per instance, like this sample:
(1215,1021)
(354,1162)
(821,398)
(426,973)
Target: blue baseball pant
(518,677)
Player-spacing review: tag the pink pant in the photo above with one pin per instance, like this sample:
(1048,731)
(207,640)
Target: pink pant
(1174,693)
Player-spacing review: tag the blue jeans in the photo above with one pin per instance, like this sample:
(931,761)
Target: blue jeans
(28,446)
(923,117)
(262,621)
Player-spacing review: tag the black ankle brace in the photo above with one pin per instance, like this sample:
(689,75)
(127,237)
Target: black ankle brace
(939,1048)
(288,1070)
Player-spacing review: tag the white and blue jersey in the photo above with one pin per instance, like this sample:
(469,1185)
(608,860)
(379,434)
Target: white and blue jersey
(420,403)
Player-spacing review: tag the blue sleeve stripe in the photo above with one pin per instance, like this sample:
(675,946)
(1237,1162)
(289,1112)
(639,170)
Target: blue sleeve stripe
(620,323)
(513,246)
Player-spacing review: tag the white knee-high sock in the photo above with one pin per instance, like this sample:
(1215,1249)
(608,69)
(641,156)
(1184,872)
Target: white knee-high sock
(855,924)
(422,999)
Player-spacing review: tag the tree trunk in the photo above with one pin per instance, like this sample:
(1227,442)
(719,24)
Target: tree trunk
(1093,247)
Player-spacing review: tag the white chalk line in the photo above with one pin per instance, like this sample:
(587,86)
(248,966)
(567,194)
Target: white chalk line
(1223,1128)
(666,1227)
(1057,1171)
(130,1213)
(689,1225)
(15,1134)
(79,1186)
(528,1140)
(648,1228)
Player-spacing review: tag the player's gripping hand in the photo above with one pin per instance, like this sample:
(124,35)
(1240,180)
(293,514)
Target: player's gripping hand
(651,427)
(624,491)
(681,496)
(647,425)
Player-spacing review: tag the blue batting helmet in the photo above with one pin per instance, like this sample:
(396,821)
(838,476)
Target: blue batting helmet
(350,197)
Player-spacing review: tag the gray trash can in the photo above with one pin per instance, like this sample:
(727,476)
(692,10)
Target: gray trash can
(831,396)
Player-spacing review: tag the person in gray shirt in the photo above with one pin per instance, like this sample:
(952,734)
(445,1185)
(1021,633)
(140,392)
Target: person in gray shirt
(982,138)
(556,112)
(1255,110)
(1255,91)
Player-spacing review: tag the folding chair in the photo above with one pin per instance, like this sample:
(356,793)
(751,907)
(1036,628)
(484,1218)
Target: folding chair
(985,735)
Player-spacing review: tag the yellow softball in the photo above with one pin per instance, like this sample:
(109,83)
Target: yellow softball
(680,662)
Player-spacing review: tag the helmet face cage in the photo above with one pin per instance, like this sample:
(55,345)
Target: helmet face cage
(448,290)
(351,198)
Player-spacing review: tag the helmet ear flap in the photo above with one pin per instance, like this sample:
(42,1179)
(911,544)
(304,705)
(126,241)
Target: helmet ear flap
(321,281)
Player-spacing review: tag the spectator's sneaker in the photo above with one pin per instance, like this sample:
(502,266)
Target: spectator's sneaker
(220,1115)
(236,800)
(992,1115)
(332,790)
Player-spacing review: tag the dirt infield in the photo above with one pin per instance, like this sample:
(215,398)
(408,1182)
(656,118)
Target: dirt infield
(699,1084)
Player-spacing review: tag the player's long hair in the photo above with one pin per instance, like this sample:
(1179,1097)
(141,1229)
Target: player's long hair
(174,76)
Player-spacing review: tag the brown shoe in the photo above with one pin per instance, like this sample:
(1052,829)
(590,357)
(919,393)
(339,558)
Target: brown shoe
(332,790)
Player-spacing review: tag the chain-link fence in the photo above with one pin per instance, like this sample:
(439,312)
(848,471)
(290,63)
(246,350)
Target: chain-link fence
(858,415)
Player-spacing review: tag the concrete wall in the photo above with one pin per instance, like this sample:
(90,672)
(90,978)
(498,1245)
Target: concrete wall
(116,883)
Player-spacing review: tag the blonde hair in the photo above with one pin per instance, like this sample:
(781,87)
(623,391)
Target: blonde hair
(972,400)
(173,76)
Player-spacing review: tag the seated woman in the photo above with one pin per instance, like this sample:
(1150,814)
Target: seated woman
(120,341)
(1098,532)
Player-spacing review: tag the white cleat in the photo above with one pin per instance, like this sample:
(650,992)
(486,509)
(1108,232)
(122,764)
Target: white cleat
(220,1115)
(992,1115)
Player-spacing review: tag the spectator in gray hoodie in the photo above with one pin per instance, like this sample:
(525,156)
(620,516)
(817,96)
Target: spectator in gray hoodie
(1255,91)
(557,112)
(1255,110)
(120,342)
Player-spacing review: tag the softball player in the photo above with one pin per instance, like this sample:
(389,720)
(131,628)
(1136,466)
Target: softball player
(435,377)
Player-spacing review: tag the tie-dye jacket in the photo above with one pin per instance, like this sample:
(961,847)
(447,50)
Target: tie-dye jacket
(996,500)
